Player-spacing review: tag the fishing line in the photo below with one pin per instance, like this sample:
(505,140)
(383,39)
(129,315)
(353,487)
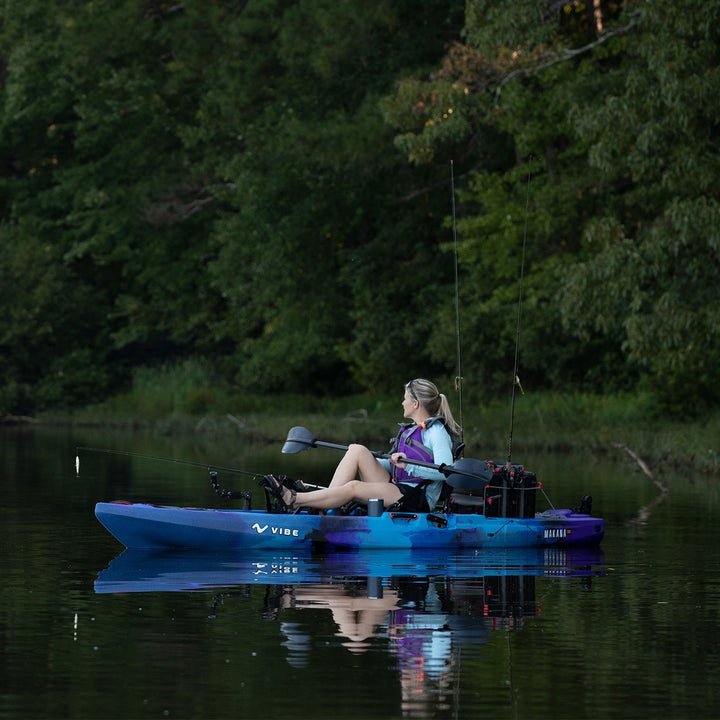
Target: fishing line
(458,379)
(158,457)
(516,379)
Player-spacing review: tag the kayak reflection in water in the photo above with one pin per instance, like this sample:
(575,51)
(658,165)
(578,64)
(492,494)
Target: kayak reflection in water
(427,438)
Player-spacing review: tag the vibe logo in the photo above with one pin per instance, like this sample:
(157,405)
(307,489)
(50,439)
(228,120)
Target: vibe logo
(284,531)
(260,529)
(274,569)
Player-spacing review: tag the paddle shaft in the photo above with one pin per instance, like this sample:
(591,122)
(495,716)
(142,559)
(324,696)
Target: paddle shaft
(382,456)
(445,469)
(300,439)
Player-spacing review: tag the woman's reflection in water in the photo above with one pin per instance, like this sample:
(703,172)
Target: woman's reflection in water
(426,624)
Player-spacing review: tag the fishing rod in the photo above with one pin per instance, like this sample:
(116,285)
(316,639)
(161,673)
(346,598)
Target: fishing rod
(458,378)
(516,380)
(159,457)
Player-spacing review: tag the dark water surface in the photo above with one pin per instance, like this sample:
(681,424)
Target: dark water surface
(90,631)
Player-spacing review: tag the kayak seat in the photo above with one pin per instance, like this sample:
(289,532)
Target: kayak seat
(447,490)
(463,503)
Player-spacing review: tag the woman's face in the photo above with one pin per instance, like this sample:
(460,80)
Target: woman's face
(409,404)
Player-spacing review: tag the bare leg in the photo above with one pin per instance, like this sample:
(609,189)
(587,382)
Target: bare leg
(334,497)
(358,460)
(357,618)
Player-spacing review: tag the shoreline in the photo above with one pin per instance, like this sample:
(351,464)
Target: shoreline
(664,444)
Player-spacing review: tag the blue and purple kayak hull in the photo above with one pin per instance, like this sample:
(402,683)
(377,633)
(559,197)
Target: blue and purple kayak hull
(138,525)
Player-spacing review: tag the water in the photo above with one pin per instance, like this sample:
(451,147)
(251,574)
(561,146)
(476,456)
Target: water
(90,631)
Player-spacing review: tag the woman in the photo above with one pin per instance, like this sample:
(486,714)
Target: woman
(426,439)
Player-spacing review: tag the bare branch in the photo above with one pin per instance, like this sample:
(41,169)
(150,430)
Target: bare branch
(174,207)
(562,56)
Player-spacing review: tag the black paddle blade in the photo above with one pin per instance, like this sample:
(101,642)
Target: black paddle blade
(298,439)
(469,474)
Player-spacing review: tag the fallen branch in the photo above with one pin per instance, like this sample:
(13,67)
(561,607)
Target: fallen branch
(646,511)
(16,419)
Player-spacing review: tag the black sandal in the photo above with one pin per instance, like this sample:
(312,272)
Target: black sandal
(275,488)
(292,484)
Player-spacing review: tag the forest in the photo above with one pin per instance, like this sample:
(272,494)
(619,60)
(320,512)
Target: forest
(332,197)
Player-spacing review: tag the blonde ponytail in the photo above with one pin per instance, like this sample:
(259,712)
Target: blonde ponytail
(427,394)
(450,421)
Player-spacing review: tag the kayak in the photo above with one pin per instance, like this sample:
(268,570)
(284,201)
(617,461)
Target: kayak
(139,525)
(485,504)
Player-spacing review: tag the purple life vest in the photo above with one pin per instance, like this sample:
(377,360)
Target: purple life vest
(409,441)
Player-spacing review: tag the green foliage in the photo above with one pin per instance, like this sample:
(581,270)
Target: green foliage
(188,386)
(265,186)
(315,181)
(662,289)
(195,176)
(613,125)
(652,275)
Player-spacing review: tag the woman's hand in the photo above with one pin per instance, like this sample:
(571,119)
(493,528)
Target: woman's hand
(396,459)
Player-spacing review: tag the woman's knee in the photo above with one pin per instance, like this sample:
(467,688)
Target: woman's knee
(355,486)
(360,456)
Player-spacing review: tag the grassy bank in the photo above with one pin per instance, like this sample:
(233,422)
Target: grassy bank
(186,398)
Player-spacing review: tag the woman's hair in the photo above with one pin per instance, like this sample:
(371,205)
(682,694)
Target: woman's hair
(426,393)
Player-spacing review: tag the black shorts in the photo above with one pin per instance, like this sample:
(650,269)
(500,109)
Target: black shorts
(413,499)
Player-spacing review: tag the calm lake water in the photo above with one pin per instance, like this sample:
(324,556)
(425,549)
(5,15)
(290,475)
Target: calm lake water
(92,631)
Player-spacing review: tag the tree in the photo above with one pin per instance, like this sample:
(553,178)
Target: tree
(612,121)
(204,175)
(83,192)
(655,266)
(312,235)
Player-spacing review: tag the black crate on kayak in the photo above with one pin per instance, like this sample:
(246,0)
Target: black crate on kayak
(511,492)
(526,492)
